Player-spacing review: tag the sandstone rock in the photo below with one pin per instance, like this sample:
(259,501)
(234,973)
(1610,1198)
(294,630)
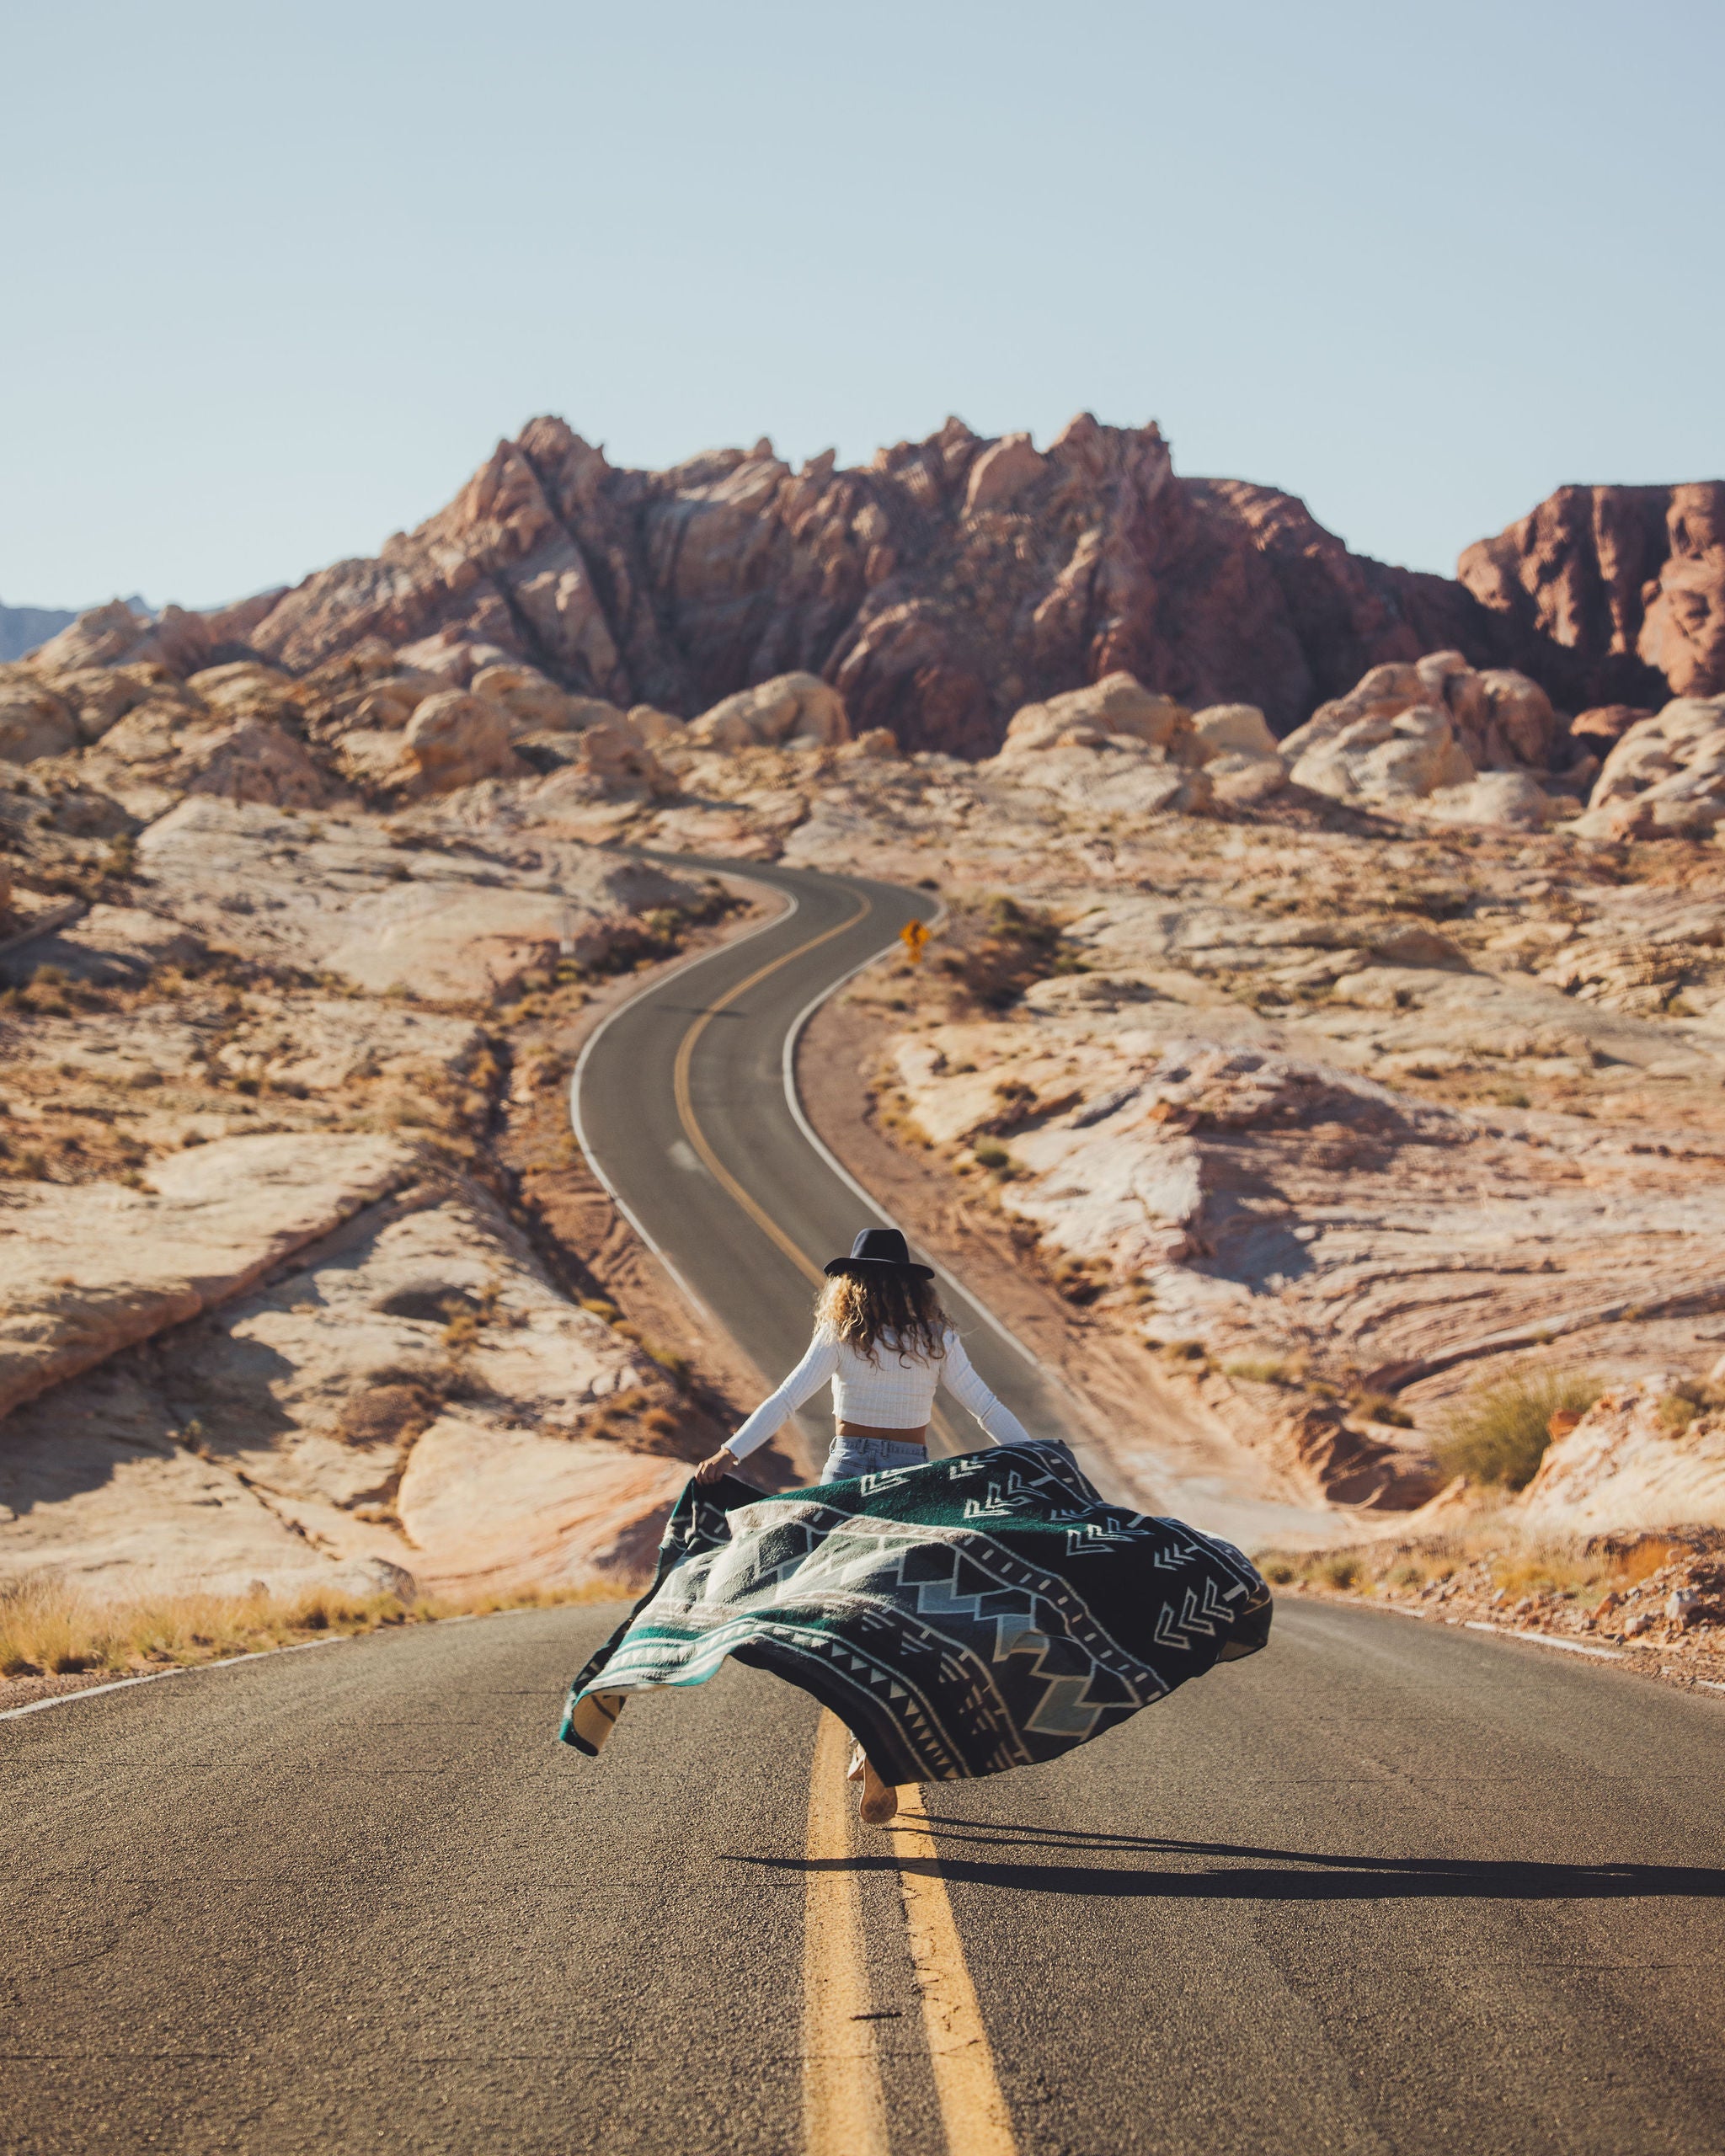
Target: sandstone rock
(87,1270)
(1242,781)
(1002,473)
(614,757)
(878,745)
(113,944)
(245,688)
(376,760)
(1605,726)
(537,705)
(1498,720)
(1519,726)
(1118,704)
(451,926)
(1377,758)
(1417,945)
(254,760)
(1628,583)
(1667,773)
(653,728)
(103,637)
(1235,728)
(34,722)
(791,710)
(1622,1467)
(100,694)
(1495,800)
(337,1437)
(510,1509)
(455,739)
(320,1045)
(113,635)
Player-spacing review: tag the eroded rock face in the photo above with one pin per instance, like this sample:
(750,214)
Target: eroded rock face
(1626,1466)
(1665,775)
(34,722)
(88,1271)
(451,926)
(455,739)
(938,589)
(792,711)
(1426,734)
(337,1435)
(1630,581)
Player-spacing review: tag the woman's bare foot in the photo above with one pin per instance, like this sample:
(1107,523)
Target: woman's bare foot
(880,1800)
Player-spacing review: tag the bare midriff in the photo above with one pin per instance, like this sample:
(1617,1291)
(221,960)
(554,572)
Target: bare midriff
(889,1437)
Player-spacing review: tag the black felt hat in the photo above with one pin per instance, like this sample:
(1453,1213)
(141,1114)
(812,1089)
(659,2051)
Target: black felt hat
(879,1249)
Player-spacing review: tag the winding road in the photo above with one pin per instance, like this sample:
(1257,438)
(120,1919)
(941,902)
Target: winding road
(1390,1886)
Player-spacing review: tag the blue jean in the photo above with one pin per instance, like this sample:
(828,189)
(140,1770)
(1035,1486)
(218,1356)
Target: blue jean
(853,1456)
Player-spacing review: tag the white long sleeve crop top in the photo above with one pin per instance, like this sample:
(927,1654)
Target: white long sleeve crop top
(895,1393)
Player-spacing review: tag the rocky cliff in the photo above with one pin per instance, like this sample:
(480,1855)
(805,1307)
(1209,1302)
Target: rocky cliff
(1620,590)
(952,581)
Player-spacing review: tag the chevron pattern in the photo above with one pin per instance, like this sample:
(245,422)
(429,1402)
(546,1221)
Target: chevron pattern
(963,1617)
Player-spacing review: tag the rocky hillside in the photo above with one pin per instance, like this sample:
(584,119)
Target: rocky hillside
(951,581)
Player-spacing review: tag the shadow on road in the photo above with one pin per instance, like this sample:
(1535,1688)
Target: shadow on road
(1244,1873)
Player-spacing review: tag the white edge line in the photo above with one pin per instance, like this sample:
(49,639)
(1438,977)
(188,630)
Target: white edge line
(1544,1640)
(788,1064)
(611,1192)
(155,1676)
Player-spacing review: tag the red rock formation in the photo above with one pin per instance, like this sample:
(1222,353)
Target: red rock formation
(939,589)
(1627,584)
(945,585)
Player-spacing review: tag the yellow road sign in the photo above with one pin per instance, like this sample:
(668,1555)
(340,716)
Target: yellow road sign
(914,935)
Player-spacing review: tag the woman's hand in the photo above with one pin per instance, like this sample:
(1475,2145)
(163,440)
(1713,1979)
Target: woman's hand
(723,1462)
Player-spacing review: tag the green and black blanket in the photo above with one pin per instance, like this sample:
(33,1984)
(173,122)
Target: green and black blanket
(961,1617)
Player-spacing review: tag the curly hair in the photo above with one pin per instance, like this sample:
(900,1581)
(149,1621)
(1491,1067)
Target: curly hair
(860,1307)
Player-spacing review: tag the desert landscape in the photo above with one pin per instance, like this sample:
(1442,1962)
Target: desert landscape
(1324,1039)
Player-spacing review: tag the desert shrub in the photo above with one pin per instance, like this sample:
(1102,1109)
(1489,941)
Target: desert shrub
(987,1154)
(1676,1413)
(1017,945)
(1379,1407)
(1498,1435)
(1341,1571)
(1259,1369)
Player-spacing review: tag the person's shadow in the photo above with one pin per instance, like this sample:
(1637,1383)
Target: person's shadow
(1239,1873)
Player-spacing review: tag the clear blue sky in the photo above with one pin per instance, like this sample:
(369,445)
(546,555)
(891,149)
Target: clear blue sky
(275,279)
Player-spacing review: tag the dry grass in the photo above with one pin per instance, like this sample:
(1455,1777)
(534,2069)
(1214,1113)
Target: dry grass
(50,1630)
(1498,1435)
(1261,1370)
(1493,1559)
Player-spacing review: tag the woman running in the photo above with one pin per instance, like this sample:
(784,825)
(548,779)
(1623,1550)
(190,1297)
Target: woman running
(959,1616)
(883,1343)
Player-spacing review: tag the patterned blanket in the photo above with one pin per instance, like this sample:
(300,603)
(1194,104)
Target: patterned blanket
(961,1617)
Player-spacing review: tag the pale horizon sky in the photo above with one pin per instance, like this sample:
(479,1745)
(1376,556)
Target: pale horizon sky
(276,281)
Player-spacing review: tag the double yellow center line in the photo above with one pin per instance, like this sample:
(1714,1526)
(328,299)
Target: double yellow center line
(843,2103)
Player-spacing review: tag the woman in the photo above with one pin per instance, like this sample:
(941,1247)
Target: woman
(960,1616)
(884,1343)
(883,1340)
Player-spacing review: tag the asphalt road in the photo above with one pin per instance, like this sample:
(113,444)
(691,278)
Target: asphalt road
(1388,1887)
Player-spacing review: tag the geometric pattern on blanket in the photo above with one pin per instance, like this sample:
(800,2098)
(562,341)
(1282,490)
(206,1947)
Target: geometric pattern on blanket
(962,1617)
